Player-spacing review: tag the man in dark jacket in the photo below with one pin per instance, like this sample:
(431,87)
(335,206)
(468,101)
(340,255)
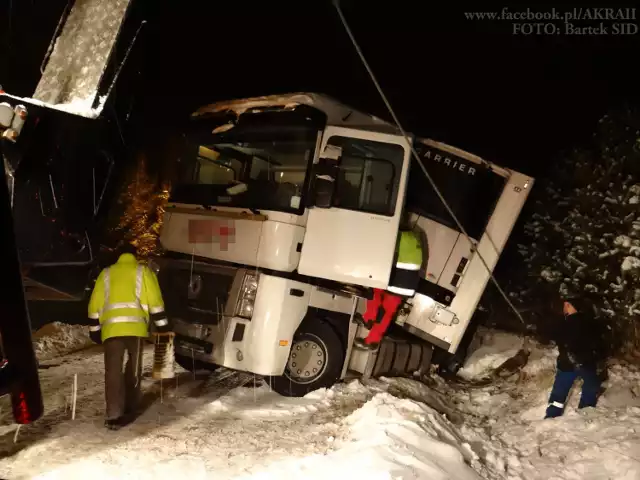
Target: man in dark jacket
(582,346)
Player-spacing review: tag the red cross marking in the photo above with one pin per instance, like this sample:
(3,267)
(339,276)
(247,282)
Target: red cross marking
(226,234)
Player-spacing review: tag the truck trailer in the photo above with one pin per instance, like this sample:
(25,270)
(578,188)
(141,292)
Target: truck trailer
(284,214)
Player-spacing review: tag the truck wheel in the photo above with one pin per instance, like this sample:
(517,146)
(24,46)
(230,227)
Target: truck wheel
(193,365)
(315,360)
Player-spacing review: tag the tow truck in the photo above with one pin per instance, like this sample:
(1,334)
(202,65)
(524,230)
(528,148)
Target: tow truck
(40,231)
(284,215)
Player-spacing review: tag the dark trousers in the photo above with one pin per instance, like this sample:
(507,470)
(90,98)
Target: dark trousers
(122,389)
(562,385)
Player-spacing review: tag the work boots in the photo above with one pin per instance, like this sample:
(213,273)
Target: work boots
(359,319)
(118,423)
(361,344)
(115,424)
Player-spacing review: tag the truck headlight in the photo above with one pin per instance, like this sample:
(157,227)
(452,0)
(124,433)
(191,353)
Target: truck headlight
(247,297)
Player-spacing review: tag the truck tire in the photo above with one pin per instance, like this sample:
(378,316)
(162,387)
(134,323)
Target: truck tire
(315,360)
(192,365)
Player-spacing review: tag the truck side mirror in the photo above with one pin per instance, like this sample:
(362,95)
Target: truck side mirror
(324,176)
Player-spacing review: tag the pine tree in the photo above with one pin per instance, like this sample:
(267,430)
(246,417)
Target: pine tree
(583,235)
(143,202)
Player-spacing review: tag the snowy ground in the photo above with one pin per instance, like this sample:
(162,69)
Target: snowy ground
(206,428)
(504,421)
(58,339)
(221,426)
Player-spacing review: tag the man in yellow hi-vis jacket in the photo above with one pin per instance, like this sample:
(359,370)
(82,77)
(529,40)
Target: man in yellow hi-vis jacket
(125,297)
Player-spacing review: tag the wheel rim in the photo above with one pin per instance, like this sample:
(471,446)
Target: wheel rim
(307,360)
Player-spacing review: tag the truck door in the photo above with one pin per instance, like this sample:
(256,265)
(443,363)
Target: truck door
(351,235)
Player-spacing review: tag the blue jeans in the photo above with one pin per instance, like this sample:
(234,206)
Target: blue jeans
(562,385)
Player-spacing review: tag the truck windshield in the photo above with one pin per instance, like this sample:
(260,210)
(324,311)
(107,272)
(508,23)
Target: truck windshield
(269,172)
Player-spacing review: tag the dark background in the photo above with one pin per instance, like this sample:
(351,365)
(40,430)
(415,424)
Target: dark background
(515,100)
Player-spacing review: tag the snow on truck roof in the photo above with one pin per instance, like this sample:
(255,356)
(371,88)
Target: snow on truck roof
(338,115)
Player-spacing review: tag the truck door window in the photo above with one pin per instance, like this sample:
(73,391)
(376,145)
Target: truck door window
(369,175)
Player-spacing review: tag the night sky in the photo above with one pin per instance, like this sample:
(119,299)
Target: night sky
(513,99)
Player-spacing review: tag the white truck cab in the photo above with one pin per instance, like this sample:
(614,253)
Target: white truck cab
(284,215)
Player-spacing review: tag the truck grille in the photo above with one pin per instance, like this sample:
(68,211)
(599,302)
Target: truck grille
(195,298)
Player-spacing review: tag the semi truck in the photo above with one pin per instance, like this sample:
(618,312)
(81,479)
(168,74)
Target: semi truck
(284,214)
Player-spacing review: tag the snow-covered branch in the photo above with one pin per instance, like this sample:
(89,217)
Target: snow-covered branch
(582,235)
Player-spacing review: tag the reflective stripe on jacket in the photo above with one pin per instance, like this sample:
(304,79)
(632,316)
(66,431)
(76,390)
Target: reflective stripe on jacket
(409,251)
(406,275)
(124,297)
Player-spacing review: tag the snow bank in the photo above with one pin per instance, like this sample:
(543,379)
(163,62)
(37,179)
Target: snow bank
(387,438)
(264,403)
(592,444)
(57,339)
(504,421)
(623,387)
(492,349)
(348,431)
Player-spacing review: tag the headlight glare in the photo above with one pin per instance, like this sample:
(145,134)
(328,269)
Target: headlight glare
(247,295)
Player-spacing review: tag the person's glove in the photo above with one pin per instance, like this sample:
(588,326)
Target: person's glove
(163,329)
(166,328)
(96,337)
